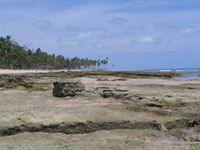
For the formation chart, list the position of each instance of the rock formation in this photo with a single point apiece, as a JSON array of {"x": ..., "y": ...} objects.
[
  {"x": 114, "y": 93},
  {"x": 67, "y": 88},
  {"x": 13, "y": 82}
]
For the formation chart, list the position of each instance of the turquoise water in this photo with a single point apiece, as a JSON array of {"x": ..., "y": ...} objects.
[
  {"x": 189, "y": 73},
  {"x": 176, "y": 70}
]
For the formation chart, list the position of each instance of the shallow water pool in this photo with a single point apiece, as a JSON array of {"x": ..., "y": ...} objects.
[{"x": 188, "y": 76}]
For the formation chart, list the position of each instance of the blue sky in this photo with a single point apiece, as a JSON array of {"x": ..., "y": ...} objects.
[{"x": 134, "y": 34}]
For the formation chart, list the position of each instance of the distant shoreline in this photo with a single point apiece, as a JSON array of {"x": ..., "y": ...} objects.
[
  {"x": 19, "y": 71},
  {"x": 81, "y": 73},
  {"x": 24, "y": 71}
]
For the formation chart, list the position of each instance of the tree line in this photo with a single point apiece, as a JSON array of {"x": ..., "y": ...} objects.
[{"x": 15, "y": 56}]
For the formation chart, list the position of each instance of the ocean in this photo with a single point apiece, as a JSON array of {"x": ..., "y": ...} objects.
[
  {"x": 189, "y": 73},
  {"x": 189, "y": 70}
]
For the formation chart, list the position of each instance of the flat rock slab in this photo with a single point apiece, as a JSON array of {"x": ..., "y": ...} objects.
[{"x": 100, "y": 140}]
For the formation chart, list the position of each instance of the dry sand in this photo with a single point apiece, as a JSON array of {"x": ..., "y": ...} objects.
[{"x": 21, "y": 71}]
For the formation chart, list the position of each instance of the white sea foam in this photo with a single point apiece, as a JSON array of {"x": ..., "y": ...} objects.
[{"x": 165, "y": 70}]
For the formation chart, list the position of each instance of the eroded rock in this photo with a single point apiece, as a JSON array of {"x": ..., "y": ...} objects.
[
  {"x": 68, "y": 88},
  {"x": 79, "y": 127},
  {"x": 114, "y": 93},
  {"x": 13, "y": 82},
  {"x": 182, "y": 123}
]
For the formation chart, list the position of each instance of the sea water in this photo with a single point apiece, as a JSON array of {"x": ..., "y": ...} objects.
[
  {"x": 189, "y": 73},
  {"x": 192, "y": 70},
  {"x": 189, "y": 76}
]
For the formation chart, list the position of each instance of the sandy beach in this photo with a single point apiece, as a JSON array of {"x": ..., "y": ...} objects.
[
  {"x": 100, "y": 75},
  {"x": 21, "y": 71}
]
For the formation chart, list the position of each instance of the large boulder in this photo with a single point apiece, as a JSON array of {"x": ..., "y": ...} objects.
[{"x": 68, "y": 88}]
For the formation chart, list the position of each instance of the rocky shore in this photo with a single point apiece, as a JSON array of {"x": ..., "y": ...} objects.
[{"x": 98, "y": 110}]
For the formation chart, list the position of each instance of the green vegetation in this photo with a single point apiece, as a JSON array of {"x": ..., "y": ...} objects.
[{"x": 15, "y": 56}]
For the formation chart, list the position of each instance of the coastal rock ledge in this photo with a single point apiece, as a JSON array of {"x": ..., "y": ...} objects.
[{"x": 67, "y": 88}]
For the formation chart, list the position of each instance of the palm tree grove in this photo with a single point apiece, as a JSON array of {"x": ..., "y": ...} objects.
[{"x": 15, "y": 56}]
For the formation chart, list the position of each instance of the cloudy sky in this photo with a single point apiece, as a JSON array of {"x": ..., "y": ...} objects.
[{"x": 134, "y": 34}]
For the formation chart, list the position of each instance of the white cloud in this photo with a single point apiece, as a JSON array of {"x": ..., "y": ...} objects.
[
  {"x": 43, "y": 24},
  {"x": 150, "y": 40},
  {"x": 188, "y": 30},
  {"x": 86, "y": 35},
  {"x": 118, "y": 20},
  {"x": 147, "y": 39}
]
